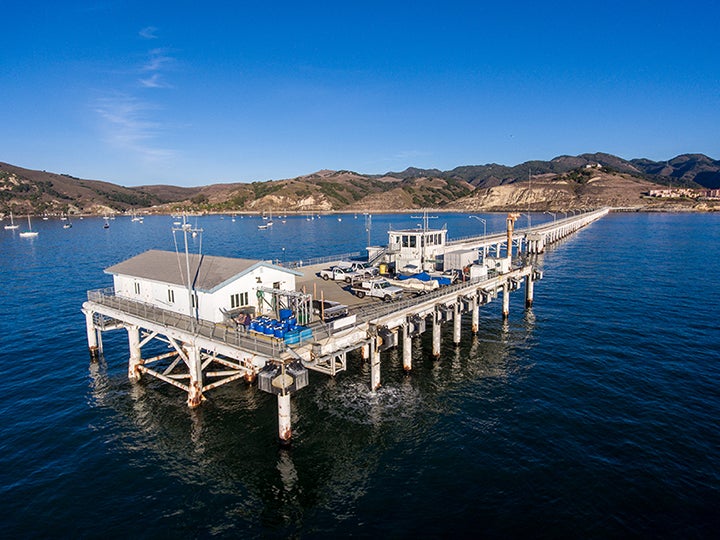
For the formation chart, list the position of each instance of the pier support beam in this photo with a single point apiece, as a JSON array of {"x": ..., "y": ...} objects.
[
  {"x": 475, "y": 314},
  {"x": 284, "y": 420},
  {"x": 92, "y": 336},
  {"x": 529, "y": 286},
  {"x": 436, "y": 335},
  {"x": 374, "y": 366},
  {"x": 135, "y": 353},
  {"x": 195, "y": 396},
  {"x": 506, "y": 300},
  {"x": 457, "y": 330},
  {"x": 407, "y": 347}
]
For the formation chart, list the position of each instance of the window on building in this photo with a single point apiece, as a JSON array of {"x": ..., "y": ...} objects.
[
  {"x": 171, "y": 296},
  {"x": 137, "y": 288},
  {"x": 194, "y": 300},
  {"x": 238, "y": 299},
  {"x": 413, "y": 240}
]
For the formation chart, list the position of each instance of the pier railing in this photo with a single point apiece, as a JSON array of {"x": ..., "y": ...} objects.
[
  {"x": 322, "y": 260},
  {"x": 375, "y": 311},
  {"x": 248, "y": 341}
]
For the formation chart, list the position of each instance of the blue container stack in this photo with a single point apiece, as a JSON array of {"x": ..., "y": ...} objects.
[{"x": 286, "y": 328}]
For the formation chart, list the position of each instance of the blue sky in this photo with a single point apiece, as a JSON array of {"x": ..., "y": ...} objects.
[{"x": 192, "y": 93}]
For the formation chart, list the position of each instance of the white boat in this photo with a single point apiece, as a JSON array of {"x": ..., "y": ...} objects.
[
  {"x": 12, "y": 225},
  {"x": 268, "y": 224},
  {"x": 29, "y": 233}
]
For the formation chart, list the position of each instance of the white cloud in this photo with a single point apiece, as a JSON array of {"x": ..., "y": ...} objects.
[
  {"x": 149, "y": 32},
  {"x": 154, "y": 81},
  {"x": 128, "y": 126},
  {"x": 157, "y": 59}
]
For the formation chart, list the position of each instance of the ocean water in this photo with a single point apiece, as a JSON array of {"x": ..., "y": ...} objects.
[{"x": 595, "y": 414}]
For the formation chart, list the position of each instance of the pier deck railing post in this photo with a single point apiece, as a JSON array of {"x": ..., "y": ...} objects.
[
  {"x": 529, "y": 286},
  {"x": 506, "y": 300},
  {"x": 195, "y": 396},
  {"x": 436, "y": 335},
  {"x": 135, "y": 352},
  {"x": 92, "y": 335},
  {"x": 457, "y": 329},
  {"x": 475, "y": 314},
  {"x": 374, "y": 365},
  {"x": 407, "y": 347},
  {"x": 284, "y": 419}
]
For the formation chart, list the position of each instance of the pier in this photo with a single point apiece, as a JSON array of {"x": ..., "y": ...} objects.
[{"x": 181, "y": 321}]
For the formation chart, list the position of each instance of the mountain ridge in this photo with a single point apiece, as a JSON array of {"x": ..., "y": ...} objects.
[{"x": 562, "y": 182}]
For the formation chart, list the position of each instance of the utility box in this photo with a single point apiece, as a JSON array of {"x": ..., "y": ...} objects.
[
  {"x": 500, "y": 265},
  {"x": 478, "y": 271},
  {"x": 459, "y": 259}
]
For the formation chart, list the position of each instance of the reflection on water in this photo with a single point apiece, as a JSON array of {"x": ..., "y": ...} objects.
[{"x": 341, "y": 428}]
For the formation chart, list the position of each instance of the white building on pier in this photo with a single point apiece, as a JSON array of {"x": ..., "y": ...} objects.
[{"x": 219, "y": 284}]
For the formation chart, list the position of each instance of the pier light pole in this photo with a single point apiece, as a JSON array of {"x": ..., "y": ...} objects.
[
  {"x": 484, "y": 234},
  {"x": 368, "y": 227},
  {"x": 553, "y": 214}
]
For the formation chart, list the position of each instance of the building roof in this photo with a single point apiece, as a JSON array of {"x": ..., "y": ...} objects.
[{"x": 207, "y": 272}]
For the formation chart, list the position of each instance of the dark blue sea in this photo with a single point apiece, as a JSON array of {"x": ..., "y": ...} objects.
[{"x": 594, "y": 415}]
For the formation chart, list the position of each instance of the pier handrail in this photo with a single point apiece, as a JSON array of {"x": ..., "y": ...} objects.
[
  {"x": 320, "y": 260},
  {"x": 371, "y": 312},
  {"x": 251, "y": 342},
  {"x": 500, "y": 236}
]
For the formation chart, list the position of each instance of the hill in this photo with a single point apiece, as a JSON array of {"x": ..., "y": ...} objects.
[
  {"x": 561, "y": 183},
  {"x": 26, "y": 190}
]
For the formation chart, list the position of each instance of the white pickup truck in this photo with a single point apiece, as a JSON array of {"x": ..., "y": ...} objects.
[
  {"x": 363, "y": 269},
  {"x": 337, "y": 273},
  {"x": 379, "y": 288}
]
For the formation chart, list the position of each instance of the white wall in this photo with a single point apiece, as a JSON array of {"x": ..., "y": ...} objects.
[{"x": 209, "y": 305}]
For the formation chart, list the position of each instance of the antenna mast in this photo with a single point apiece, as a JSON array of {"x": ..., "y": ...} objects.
[{"x": 186, "y": 229}]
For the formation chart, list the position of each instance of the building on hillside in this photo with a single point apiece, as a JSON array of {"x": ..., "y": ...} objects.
[{"x": 218, "y": 285}]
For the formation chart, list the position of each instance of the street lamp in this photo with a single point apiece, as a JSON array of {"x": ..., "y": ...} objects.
[
  {"x": 484, "y": 233},
  {"x": 553, "y": 214}
]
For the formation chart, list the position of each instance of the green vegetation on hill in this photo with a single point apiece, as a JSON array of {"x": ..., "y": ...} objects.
[{"x": 24, "y": 190}]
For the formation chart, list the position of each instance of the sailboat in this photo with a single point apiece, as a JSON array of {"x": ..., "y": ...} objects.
[
  {"x": 29, "y": 233},
  {"x": 68, "y": 224},
  {"x": 12, "y": 225},
  {"x": 268, "y": 224}
]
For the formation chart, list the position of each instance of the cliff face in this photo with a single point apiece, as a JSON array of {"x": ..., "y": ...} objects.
[{"x": 584, "y": 188}]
